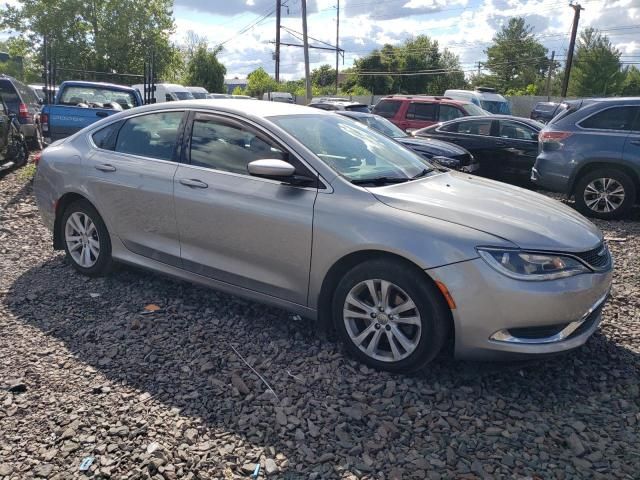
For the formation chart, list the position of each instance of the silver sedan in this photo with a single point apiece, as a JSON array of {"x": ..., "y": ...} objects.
[{"x": 318, "y": 214}]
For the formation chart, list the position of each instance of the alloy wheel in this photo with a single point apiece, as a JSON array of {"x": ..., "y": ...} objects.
[
  {"x": 604, "y": 195},
  {"x": 82, "y": 239},
  {"x": 382, "y": 320}
]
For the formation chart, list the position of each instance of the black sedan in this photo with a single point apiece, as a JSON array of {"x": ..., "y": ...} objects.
[
  {"x": 443, "y": 153},
  {"x": 505, "y": 146}
]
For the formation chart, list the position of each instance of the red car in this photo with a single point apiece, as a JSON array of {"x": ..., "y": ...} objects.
[{"x": 412, "y": 112}]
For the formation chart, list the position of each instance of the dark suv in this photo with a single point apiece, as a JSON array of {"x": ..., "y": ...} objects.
[
  {"x": 24, "y": 103},
  {"x": 413, "y": 112},
  {"x": 13, "y": 149},
  {"x": 591, "y": 151}
]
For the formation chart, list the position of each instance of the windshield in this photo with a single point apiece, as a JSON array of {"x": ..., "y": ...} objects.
[
  {"x": 199, "y": 95},
  {"x": 350, "y": 148},
  {"x": 385, "y": 126},
  {"x": 474, "y": 110},
  {"x": 183, "y": 95},
  {"x": 496, "y": 107},
  {"x": 97, "y": 96}
]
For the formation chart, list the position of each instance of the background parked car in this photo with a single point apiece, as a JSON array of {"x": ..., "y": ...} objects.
[
  {"x": 339, "y": 104},
  {"x": 22, "y": 101},
  {"x": 444, "y": 153},
  {"x": 505, "y": 146},
  {"x": 486, "y": 98},
  {"x": 591, "y": 151},
  {"x": 198, "y": 92},
  {"x": 167, "y": 92},
  {"x": 13, "y": 147},
  {"x": 543, "y": 112},
  {"x": 284, "y": 97},
  {"x": 414, "y": 112}
]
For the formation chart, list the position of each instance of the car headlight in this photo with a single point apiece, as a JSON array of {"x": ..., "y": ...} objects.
[{"x": 531, "y": 266}]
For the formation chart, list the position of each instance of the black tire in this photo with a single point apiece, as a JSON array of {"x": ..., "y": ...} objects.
[
  {"x": 18, "y": 151},
  {"x": 618, "y": 176},
  {"x": 103, "y": 262},
  {"x": 435, "y": 316}
]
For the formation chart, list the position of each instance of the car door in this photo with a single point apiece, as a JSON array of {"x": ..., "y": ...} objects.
[
  {"x": 475, "y": 136},
  {"x": 516, "y": 149},
  {"x": 631, "y": 153},
  {"x": 130, "y": 176},
  {"x": 250, "y": 232},
  {"x": 420, "y": 115}
]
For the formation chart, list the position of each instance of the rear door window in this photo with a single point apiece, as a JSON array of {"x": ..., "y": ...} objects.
[
  {"x": 105, "y": 138},
  {"x": 153, "y": 135},
  {"x": 10, "y": 95},
  {"x": 387, "y": 108},
  {"x": 614, "y": 118},
  {"x": 475, "y": 127},
  {"x": 423, "y": 111},
  {"x": 516, "y": 131},
  {"x": 448, "y": 112}
]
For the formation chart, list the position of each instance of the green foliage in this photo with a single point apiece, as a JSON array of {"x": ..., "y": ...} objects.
[
  {"x": 239, "y": 91},
  {"x": 356, "y": 90},
  {"x": 530, "y": 89},
  {"x": 324, "y": 76},
  {"x": 204, "y": 69},
  {"x": 631, "y": 85},
  {"x": 27, "y": 69},
  {"x": 27, "y": 172},
  {"x": 596, "y": 66},
  {"x": 259, "y": 82},
  {"x": 516, "y": 59},
  {"x": 100, "y": 35},
  {"x": 418, "y": 54}
]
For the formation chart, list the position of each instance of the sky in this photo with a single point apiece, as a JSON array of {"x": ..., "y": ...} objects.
[{"x": 245, "y": 28}]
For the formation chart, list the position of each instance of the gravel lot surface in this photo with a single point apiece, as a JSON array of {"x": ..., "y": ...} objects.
[{"x": 86, "y": 371}]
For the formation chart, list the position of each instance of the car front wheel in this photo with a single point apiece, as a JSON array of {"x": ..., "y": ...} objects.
[
  {"x": 86, "y": 239},
  {"x": 605, "y": 194},
  {"x": 390, "y": 316}
]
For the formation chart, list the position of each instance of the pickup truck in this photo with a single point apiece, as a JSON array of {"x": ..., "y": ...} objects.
[{"x": 79, "y": 104}]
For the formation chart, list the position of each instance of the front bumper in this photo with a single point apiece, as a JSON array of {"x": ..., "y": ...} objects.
[{"x": 497, "y": 317}]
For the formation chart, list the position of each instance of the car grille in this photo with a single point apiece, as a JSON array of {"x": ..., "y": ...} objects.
[{"x": 598, "y": 258}]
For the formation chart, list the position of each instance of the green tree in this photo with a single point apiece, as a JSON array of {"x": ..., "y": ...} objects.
[
  {"x": 23, "y": 64},
  {"x": 99, "y": 35},
  {"x": 204, "y": 69},
  {"x": 516, "y": 59},
  {"x": 596, "y": 66},
  {"x": 631, "y": 85},
  {"x": 325, "y": 76},
  {"x": 259, "y": 82},
  {"x": 238, "y": 91}
]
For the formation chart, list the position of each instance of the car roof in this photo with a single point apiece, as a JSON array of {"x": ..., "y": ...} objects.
[
  {"x": 344, "y": 103},
  {"x": 528, "y": 121},
  {"x": 355, "y": 114},
  {"x": 426, "y": 99},
  {"x": 242, "y": 106}
]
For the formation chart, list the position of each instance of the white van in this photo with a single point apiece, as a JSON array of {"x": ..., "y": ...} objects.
[
  {"x": 198, "y": 93},
  {"x": 167, "y": 92},
  {"x": 484, "y": 97},
  {"x": 284, "y": 97}
]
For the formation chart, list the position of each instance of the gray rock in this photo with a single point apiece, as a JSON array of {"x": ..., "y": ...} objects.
[
  {"x": 270, "y": 466},
  {"x": 575, "y": 444}
]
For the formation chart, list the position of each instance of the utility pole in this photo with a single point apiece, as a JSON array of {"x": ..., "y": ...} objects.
[
  {"x": 337, "y": 41},
  {"x": 548, "y": 87},
  {"x": 574, "y": 30},
  {"x": 305, "y": 41},
  {"x": 278, "y": 6},
  {"x": 479, "y": 65}
]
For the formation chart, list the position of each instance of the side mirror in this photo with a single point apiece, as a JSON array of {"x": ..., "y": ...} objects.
[
  {"x": 271, "y": 168},
  {"x": 447, "y": 162},
  {"x": 276, "y": 169}
]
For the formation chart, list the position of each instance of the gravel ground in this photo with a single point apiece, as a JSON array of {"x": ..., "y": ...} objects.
[{"x": 85, "y": 371}]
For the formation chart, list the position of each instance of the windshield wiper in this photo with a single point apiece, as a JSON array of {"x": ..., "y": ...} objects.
[
  {"x": 379, "y": 180},
  {"x": 423, "y": 173}
]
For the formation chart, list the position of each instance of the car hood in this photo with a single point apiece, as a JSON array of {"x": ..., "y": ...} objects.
[
  {"x": 525, "y": 218},
  {"x": 434, "y": 147}
]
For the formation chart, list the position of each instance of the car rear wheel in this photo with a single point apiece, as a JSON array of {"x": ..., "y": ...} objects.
[
  {"x": 605, "y": 194},
  {"x": 86, "y": 239},
  {"x": 389, "y": 316}
]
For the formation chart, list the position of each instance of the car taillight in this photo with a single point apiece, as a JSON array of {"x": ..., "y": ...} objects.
[
  {"x": 553, "y": 136},
  {"x": 23, "y": 111},
  {"x": 37, "y": 157},
  {"x": 44, "y": 122}
]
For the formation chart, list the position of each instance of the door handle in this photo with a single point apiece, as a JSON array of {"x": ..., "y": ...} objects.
[
  {"x": 193, "y": 183},
  {"x": 105, "y": 167},
  {"x": 102, "y": 114}
]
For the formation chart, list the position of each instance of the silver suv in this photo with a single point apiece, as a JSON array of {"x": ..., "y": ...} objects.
[
  {"x": 316, "y": 213},
  {"x": 591, "y": 151}
]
